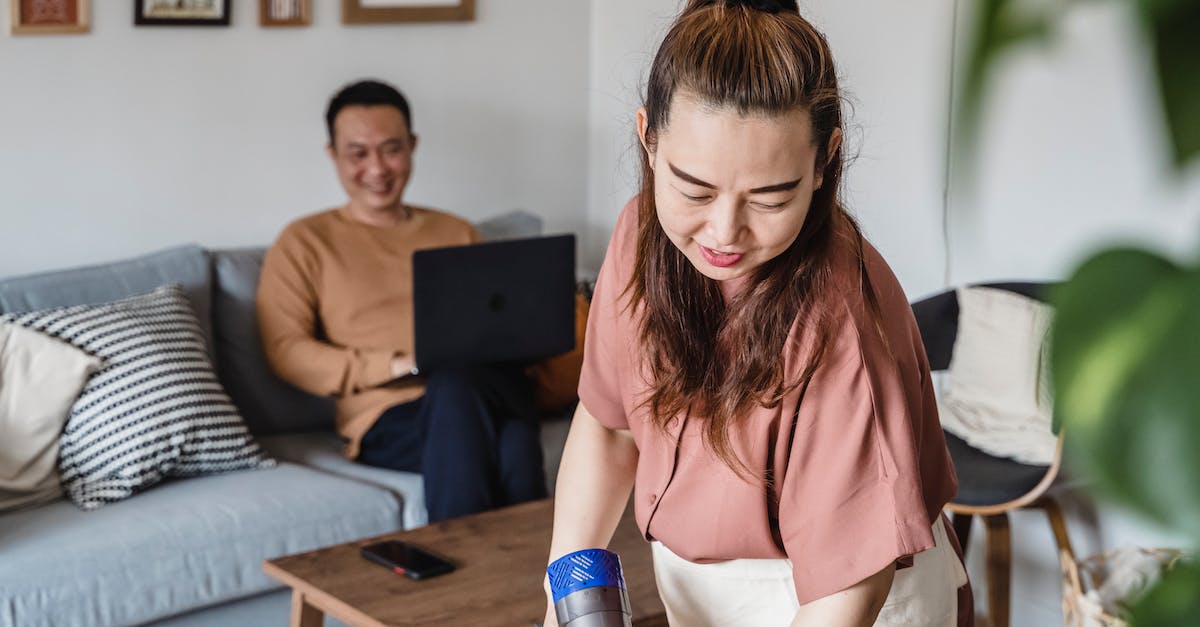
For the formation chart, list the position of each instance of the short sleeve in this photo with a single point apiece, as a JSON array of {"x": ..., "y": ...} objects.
[
  {"x": 856, "y": 494},
  {"x": 606, "y": 342}
]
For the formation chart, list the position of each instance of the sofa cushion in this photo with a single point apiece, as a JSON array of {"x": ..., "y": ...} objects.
[
  {"x": 40, "y": 378},
  {"x": 324, "y": 451},
  {"x": 155, "y": 408},
  {"x": 268, "y": 404},
  {"x": 185, "y": 265},
  {"x": 185, "y": 545},
  {"x": 510, "y": 225}
]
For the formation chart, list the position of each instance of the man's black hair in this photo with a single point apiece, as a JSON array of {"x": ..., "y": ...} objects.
[{"x": 366, "y": 93}]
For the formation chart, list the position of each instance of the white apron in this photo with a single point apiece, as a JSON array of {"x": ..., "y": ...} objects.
[{"x": 760, "y": 592}]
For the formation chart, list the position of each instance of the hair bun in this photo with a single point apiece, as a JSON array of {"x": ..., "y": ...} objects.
[
  {"x": 766, "y": 6},
  {"x": 769, "y": 6}
]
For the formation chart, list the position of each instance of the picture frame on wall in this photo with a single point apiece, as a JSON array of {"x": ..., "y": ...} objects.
[
  {"x": 399, "y": 11},
  {"x": 49, "y": 17},
  {"x": 181, "y": 12},
  {"x": 284, "y": 12}
]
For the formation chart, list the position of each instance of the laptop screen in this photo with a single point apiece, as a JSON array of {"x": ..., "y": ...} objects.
[{"x": 504, "y": 301}]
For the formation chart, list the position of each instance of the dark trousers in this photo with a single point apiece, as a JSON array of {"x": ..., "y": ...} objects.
[{"x": 474, "y": 436}]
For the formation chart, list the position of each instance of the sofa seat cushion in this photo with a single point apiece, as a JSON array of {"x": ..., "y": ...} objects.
[
  {"x": 186, "y": 544},
  {"x": 323, "y": 450}
]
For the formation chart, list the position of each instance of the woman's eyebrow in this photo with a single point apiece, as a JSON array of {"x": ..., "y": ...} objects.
[
  {"x": 778, "y": 187},
  {"x": 688, "y": 177}
]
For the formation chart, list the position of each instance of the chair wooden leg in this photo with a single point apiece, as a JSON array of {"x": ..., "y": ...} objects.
[
  {"x": 962, "y": 529},
  {"x": 1057, "y": 523},
  {"x": 999, "y": 567},
  {"x": 1066, "y": 554}
]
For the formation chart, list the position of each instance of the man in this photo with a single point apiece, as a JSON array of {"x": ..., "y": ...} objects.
[{"x": 335, "y": 311}]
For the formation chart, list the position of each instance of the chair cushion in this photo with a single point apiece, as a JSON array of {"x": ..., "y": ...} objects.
[
  {"x": 268, "y": 404},
  {"x": 997, "y": 396},
  {"x": 185, "y": 265},
  {"x": 185, "y": 545},
  {"x": 324, "y": 451},
  {"x": 987, "y": 480}
]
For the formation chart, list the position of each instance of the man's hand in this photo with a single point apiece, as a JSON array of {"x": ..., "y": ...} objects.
[{"x": 403, "y": 365}]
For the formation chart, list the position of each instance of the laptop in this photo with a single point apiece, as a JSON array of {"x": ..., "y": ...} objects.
[{"x": 503, "y": 301}]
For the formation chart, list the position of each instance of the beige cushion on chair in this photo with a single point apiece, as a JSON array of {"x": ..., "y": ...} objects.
[
  {"x": 40, "y": 378},
  {"x": 997, "y": 395}
]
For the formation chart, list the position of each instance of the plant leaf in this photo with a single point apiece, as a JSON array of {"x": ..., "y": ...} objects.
[
  {"x": 996, "y": 26},
  {"x": 1125, "y": 355},
  {"x": 1174, "y": 601},
  {"x": 1174, "y": 28}
]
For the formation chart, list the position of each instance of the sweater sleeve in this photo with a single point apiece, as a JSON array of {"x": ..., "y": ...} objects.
[{"x": 288, "y": 319}]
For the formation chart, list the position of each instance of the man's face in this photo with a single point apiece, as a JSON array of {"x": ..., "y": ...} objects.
[{"x": 372, "y": 151}]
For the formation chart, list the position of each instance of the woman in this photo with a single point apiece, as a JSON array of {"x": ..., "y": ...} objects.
[{"x": 752, "y": 367}]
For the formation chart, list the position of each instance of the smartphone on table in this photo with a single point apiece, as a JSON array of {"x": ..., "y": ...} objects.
[{"x": 407, "y": 559}]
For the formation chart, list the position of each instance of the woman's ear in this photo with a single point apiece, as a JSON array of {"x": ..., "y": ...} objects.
[
  {"x": 643, "y": 124},
  {"x": 835, "y": 144}
]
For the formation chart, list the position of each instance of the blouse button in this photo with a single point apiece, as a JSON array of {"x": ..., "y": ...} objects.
[{"x": 653, "y": 498}]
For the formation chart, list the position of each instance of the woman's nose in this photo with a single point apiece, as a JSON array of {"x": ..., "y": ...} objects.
[{"x": 725, "y": 222}]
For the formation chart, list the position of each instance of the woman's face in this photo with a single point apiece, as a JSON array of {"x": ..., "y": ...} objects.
[{"x": 732, "y": 192}]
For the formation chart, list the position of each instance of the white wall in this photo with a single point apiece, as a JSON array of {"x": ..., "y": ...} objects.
[
  {"x": 894, "y": 62},
  {"x": 1072, "y": 157},
  {"x": 624, "y": 35},
  {"x": 130, "y": 139}
]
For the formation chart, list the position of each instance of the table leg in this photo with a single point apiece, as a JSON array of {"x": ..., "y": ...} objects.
[{"x": 303, "y": 614}]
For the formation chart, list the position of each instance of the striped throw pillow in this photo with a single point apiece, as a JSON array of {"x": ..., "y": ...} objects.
[{"x": 154, "y": 409}]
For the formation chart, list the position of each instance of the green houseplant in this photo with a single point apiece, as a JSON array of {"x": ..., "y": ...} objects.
[{"x": 1126, "y": 342}]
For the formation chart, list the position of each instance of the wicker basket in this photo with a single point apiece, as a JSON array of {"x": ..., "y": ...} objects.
[{"x": 1080, "y": 576}]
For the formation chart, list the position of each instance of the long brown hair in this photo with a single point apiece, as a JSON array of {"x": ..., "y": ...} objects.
[{"x": 708, "y": 359}]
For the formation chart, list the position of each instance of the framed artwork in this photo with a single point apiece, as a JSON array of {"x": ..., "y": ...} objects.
[
  {"x": 44, "y": 17},
  {"x": 394, "y": 11},
  {"x": 181, "y": 12},
  {"x": 284, "y": 12}
]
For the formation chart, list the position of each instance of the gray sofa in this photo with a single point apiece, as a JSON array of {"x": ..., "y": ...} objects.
[{"x": 189, "y": 552}]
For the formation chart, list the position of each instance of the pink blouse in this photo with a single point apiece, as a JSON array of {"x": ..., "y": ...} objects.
[{"x": 859, "y": 457}]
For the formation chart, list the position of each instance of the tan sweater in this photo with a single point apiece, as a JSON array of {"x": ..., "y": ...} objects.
[{"x": 335, "y": 305}]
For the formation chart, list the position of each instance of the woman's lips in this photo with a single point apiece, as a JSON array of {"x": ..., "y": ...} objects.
[{"x": 719, "y": 259}]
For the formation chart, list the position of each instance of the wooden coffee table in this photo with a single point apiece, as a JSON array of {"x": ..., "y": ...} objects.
[{"x": 501, "y": 558}]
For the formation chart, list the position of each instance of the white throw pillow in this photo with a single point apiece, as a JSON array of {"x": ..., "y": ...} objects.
[
  {"x": 997, "y": 386},
  {"x": 40, "y": 378}
]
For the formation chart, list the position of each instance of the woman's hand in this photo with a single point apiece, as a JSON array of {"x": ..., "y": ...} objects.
[
  {"x": 551, "y": 619},
  {"x": 594, "y": 482},
  {"x": 856, "y": 606}
]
